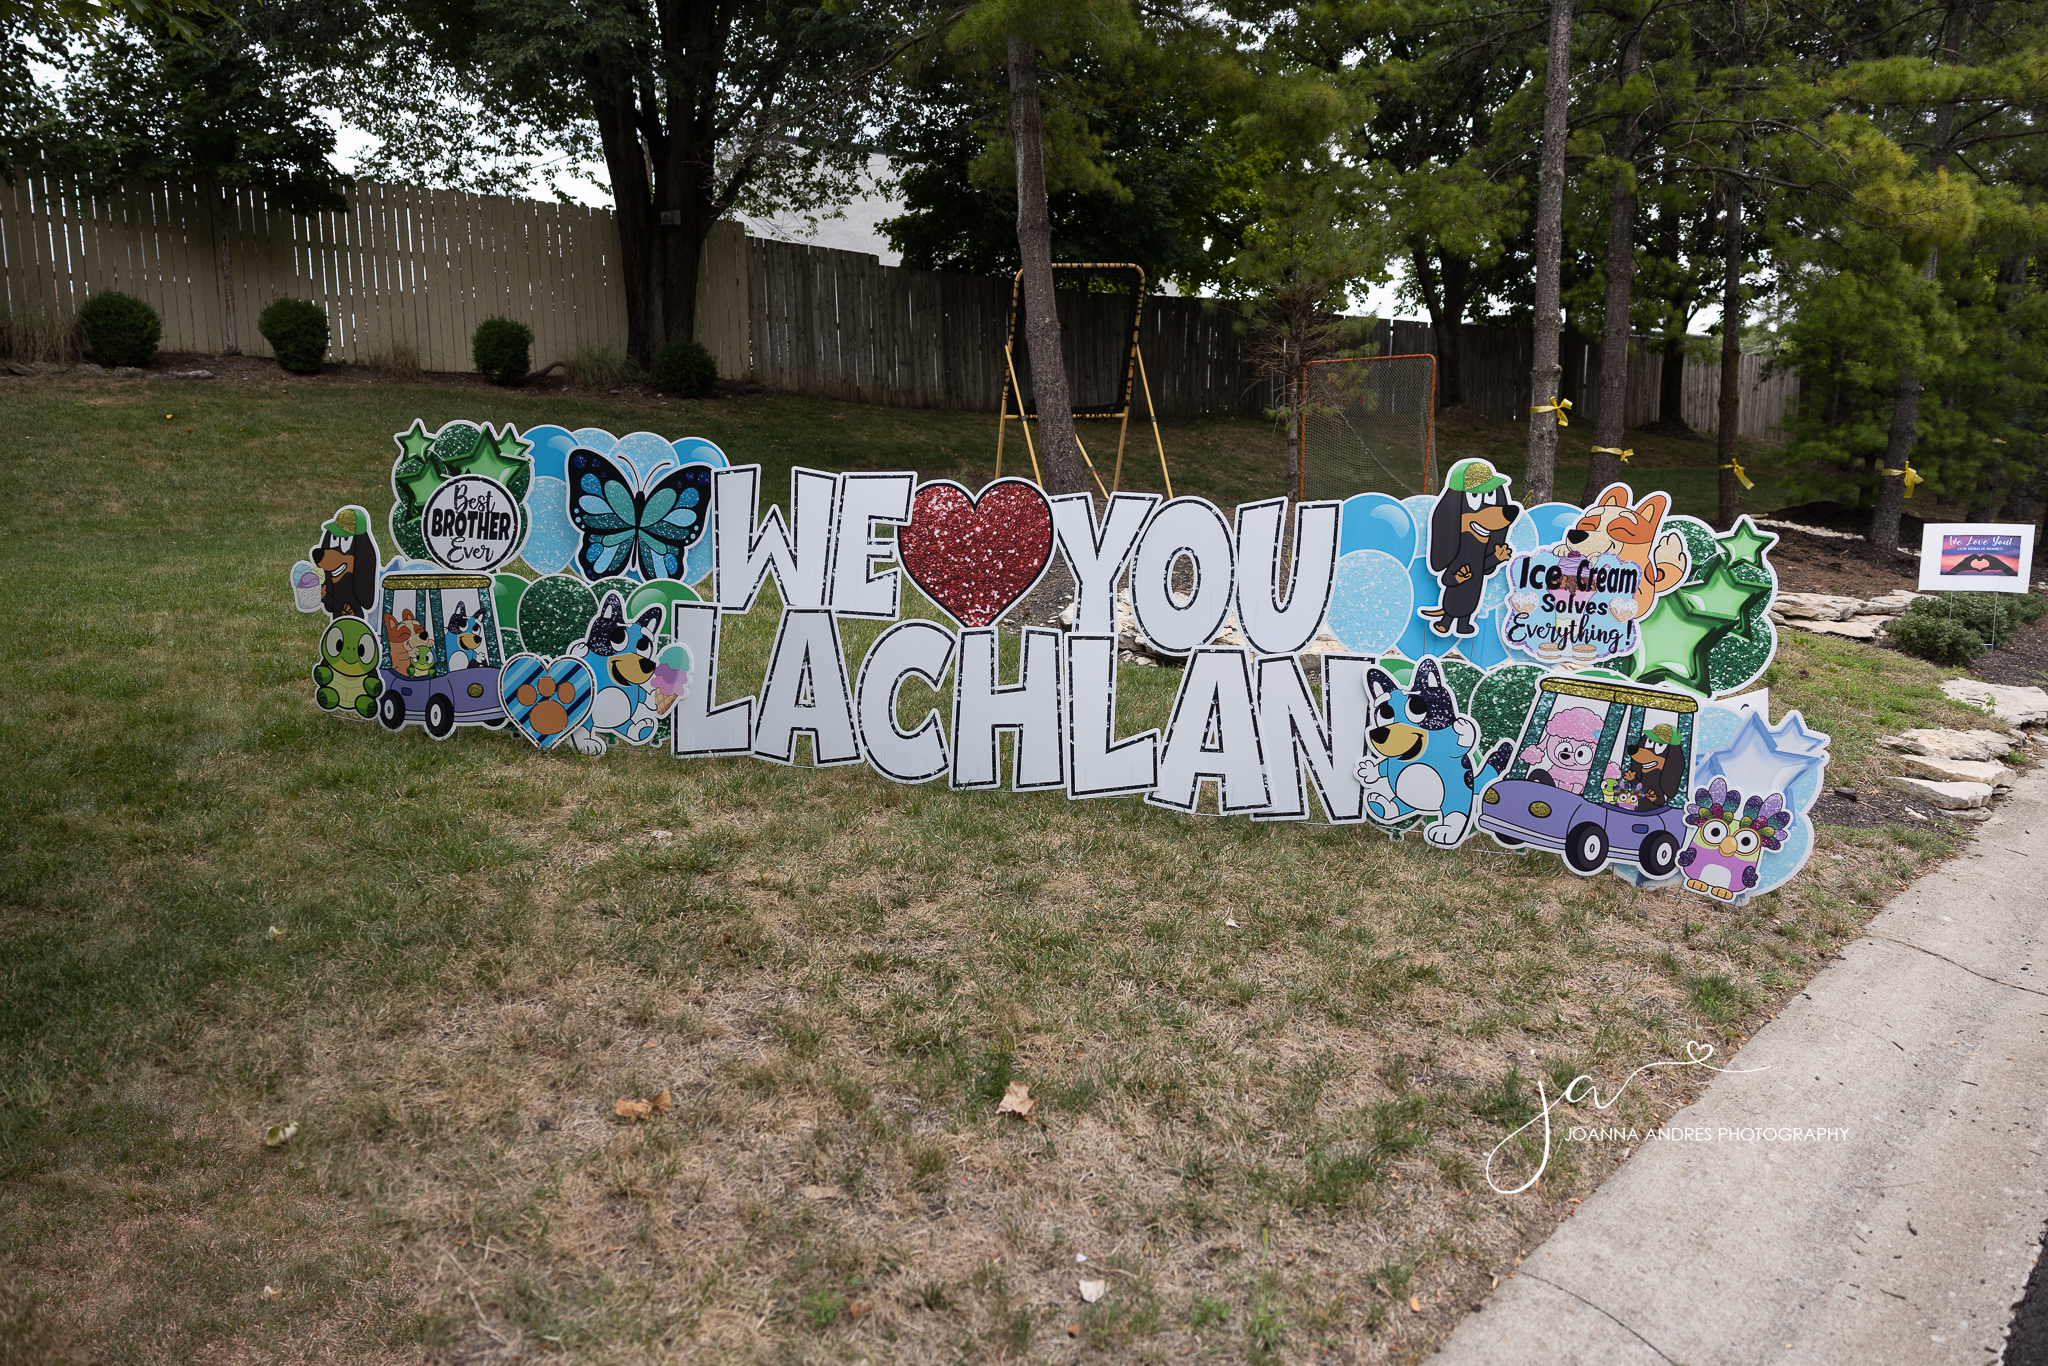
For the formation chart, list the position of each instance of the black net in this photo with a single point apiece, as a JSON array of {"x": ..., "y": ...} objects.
[
  {"x": 1099, "y": 307},
  {"x": 1368, "y": 426}
]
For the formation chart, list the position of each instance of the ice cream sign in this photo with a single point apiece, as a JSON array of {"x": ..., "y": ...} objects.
[
  {"x": 470, "y": 522},
  {"x": 1576, "y": 608}
]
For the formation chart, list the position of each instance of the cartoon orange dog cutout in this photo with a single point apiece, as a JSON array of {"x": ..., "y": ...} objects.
[
  {"x": 1617, "y": 525},
  {"x": 409, "y": 650}
]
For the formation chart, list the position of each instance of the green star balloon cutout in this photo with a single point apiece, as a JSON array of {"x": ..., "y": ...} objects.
[
  {"x": 1712, "y": 630},
  {"x": 1746, "y": 544},
  {"x": 425, "y": 462},
  {"x": 415, "y": 442}
]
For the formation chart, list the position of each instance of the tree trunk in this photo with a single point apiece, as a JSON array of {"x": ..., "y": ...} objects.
[
  {"x": 1445, "y": 290},
  {"x": 1540, "y": 476},
  {"x": 1898, "y": 449},
  {"x": 1730, "y": 415},
  {"x": 224, "y": 218},
  {"x": 1611, "y": 424},
  {"x": 611, "y": 99},
  {"x": 1671, "y": 386},
  {"x": 1728, "y": 439},
  {"x": 1058, "y": 452}
]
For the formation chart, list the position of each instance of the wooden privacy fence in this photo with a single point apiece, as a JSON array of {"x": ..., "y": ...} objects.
[
  {"x": 842, "y": 324},
  {"x": 400, "y": 265},
  {"x": 403, "y": 265},
  {"x": 1495, "y": 383}
]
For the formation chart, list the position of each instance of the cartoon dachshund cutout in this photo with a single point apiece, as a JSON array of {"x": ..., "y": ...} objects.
[
  {"x": 1467, "y": 541},
  {"x": 1656, "y": 768},
  {"x": 347, "y": 561},
  {"x": 1418, "y": 758}
]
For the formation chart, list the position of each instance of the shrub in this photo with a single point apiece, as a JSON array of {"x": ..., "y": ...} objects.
[
  {"x": 685, "y": 369},
  {"x": 297, "y": 331},
  {"x": 1934, "y": 638},
  {"x": 502, "y": 349},
  {"x": 120, "y": 329},
  {"x": 1953, "y": 628}
]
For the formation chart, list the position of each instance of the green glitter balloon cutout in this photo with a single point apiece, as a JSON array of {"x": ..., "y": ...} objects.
[
  {"x": 554, "y": 613},
  {"x": 1713, "y": 633}
]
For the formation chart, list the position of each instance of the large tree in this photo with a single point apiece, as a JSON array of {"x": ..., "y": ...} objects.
[{"x": 697, "y": 107}]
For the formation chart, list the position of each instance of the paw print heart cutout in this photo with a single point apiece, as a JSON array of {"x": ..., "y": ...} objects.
[
  {"x": 976, "y": 555},
  {"x": 547, "y": 699}
]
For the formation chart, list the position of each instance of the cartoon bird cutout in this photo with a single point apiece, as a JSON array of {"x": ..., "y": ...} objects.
[{"x": 1729, "y": 838}]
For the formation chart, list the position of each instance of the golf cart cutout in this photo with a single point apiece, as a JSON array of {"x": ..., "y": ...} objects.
[
  {"x": 1600, "y": 776},
  {"x": 441, "y": 653}
]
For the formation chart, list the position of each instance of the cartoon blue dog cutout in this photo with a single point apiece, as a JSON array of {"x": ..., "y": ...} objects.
[
  {"x": 1418, "y": 758},
  {"x": 622, "y": 654}
]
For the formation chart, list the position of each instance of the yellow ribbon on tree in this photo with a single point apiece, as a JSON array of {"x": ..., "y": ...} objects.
[
  {"x": 1910, "y": 476},
  {"x": 1736, "y": 465},
  {"x": 1615, "y": 450},
  {"x": 1558, "y": 408}
]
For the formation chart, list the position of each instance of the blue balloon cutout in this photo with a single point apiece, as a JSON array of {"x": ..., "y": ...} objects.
[
  {"x": 1374, "y": 521},
  {"x": 551, "y": 538},
  {"x": 551, "y": 447},
  {"x": 1370, "y": 601}
]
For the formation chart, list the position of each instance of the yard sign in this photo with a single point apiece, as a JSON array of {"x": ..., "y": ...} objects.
[{"x": 1551, "y": 676}]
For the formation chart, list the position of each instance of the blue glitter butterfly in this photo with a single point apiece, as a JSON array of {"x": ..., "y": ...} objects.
[{"x": 623, "y": 523}]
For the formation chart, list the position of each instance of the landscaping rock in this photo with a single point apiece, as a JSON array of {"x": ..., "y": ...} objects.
[
  {"x": 1955, "y": 744},
  {"x": 1956, "y": 770},
  {"x": 1947, "y": 796},
  {"x": 1890, "y": 605},
  {"x": 1815, "y": 606},
  {"x": 129, "y": 372},
  {"x": 88, "y": 368},
  {"x": 15, "y": 367},
  {"x": 182, "y": 374},
  {"x": 46, "y": 367},
  {"x": 1976, "y": 814},
  {"x": 1859, "y": 628},
  {"x": 2015, "y": 706}
]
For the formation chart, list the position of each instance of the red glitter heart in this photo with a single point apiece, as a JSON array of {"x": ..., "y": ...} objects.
[{"x": 975, "y": 556}]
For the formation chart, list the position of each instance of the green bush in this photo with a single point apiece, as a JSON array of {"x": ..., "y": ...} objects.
[
  {"x": 502, "y": 349},
  {"x": 297, "y": 331},
  {"x": 685, "y": 369},
  {"x": 120, "y": 329},
  {"x": 1954, "y": 628}
]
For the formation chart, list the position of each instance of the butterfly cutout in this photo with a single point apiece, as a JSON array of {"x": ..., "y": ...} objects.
[{"x": 623, "y": 523}]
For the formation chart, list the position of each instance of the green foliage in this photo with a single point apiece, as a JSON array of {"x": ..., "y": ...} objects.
[
  {"x": 120, "y": 329},
  {"x": 685, "y": 369},
  {"x": 297, "y": 331},
  {"x": 226, "y": 95},
  {"x": 1956, "y": 627},
  {"x": 1935, "y": 638},
  {"x": 502, "y": 349},
  {"x": 1139, "y": 168}
]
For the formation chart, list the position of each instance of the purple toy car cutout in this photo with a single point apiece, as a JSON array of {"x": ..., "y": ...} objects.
[
  {"x": 441, "y": 652},
  {"x": 1616, "y": 798}
]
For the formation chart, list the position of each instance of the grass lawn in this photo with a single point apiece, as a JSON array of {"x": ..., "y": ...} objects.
[{"x": 444, "y": 962}]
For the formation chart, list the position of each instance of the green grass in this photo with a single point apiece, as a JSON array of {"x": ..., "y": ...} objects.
[{"x": 480, "y": 948}]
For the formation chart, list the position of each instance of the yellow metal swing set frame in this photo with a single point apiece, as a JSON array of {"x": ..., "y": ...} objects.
[{"x": 1133, "y": 377}]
